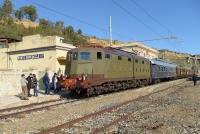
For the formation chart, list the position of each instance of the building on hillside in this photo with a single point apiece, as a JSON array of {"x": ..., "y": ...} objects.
[
  {"x": 139, "y": 49},
  {"x": 34, "y": 52}
]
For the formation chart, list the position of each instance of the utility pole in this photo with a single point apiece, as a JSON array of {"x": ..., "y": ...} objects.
[
  {"x": 110, "y": 32},
  {"x": 163, "y": 54}
]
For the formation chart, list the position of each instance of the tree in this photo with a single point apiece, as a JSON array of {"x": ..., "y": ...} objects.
[
  {"x": 19, "y": 14},
  {"x": 70, "y": 30},
  {"x": 30, "y": 12},
  {"x": 7, "y": 7},
  {"x": 80, "y": 32},
  {"x": 43, "y": 24},
  {"x": 59, "y": 25},
  {"x": 26, "y": 12}
]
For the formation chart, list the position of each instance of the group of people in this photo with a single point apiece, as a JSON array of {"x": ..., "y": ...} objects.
[
  {"x": 27, "y": 84},
  {"x": 31, "y": 83},
  {"x": 46, "y": 81}
]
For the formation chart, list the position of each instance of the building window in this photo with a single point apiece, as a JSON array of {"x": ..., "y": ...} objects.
[
  {"x": 84, "y": 55},
  {"x": 107, "y": 56},
  {"x": 75, "y": 55},
  {"x": 99, "y": 56},
  {"x": 119, "y": 57},
  {"x": 129, "y": 59}
]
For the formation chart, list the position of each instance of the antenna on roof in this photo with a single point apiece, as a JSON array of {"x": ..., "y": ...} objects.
[{"x": 110, "y": 32}]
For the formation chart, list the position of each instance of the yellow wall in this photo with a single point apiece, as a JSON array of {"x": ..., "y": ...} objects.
[
  {"x": 3, "y": 58},
  {"x": 47, "y": 62},
  {"x": 35, "y": 41},
  {"x": 32, "y": 42},
  {"x": 60, "y": 63}
]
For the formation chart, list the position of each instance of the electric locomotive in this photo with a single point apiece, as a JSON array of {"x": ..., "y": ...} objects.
[{"x": 94, "y": 70}]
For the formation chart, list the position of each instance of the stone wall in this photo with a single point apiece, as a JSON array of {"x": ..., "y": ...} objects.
[{"x": 10, "y": 80}]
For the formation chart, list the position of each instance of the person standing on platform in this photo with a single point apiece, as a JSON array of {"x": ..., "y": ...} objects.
[
  {"x": 24, "y": 82},
  {"x": 35, "y": 85},
  {"x": 29, "y": 79},
  {"x": 47, "y": 82},
  {"x": 55, "y": 82},
  {"x": 194, "y": 78}
]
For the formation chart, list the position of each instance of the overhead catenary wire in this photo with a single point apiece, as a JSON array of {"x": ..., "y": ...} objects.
[
  {"x": 154, "y": 19},
  {"x": 77, "y": 19},
  {"x": 143, "y": 23}
]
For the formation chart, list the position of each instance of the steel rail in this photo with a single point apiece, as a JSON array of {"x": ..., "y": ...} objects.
[
  {"x": 70, "y": 123},
  {"x": 29, "y": 105},
  {"x": 132, "y": 113},
  {"x": 33, "y": 110}
]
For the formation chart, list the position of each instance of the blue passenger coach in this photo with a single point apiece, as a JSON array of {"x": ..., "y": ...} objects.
[{"x": 161, "y": 71}]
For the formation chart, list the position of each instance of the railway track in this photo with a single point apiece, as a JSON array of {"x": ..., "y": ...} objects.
[
  {"x": 15, "y": 111},
  {"x": 97, "y": 122}
]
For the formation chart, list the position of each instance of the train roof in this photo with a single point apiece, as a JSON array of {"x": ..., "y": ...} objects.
[
  {"x": 110, "y": 50},
  {"x": 162, "y": 63}
]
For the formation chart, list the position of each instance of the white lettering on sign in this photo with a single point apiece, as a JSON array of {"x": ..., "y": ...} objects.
[{"x": 28, "y": 57}]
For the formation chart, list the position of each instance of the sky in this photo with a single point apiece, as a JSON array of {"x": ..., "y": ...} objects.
[{"x": 132, "y": 20}]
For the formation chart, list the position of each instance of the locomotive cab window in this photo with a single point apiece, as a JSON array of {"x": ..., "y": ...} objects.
[
  {"x": 99, "y": 56},
  {"x": 75, "y": 55},
  {"x": 119, "y": 57},
  {"x": 84, "y": 55},
  {"x": 107, "y": 56}
]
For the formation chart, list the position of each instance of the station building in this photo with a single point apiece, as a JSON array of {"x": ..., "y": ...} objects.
[
  {"x": 34, "y": 52},
  {"x": 139, "y": 49}
]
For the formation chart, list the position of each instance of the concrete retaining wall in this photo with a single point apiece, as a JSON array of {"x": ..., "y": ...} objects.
[{"x": 10, "y": 80}]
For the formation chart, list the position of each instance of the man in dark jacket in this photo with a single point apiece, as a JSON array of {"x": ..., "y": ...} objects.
[
  {"x": 194, "y": 78},
  {"x": 29, "y": 79},
  {"x": 47, "y": 82}
]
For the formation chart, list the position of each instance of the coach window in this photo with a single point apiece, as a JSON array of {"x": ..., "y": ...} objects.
[
  {"x": 142, "y": 62},
  {"x": 99, "y": 56},
  {"x": 129, "y": 59},
  {"x": 136, "y": 61},
  {"x": 119, "y": 57},
  {"x": 107, "y": 56},
  {"x": 84, "y": 55},
  {"x": 75, "y": 55}
]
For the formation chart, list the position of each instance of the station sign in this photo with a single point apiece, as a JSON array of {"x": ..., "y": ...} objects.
[{"x": 29, "y": 57}]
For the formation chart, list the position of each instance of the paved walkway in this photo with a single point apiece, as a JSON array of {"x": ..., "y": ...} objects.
[{"x": 12, "y": 101}]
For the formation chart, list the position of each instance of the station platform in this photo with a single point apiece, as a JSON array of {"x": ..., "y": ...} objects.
[{"x": 13, "y": 101}]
